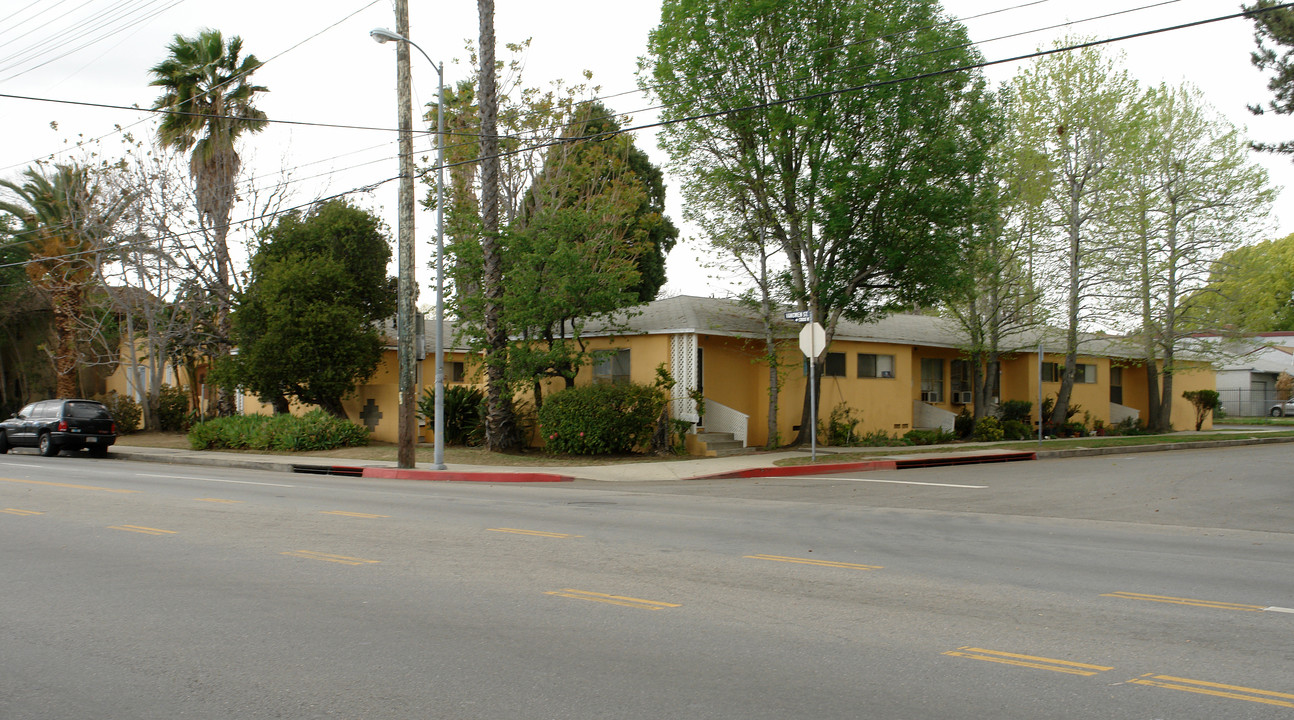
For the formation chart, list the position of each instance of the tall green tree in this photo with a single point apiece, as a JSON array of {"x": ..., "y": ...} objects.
[
  {"x": 1078, "y": 112},
  {"x": 65, "y": 230},
  {"x": 998, "y": 309},
  {"x": 1274, "y": 36},
  {"x": 1250, "y": 290},
  {"x": 590, "y": 240},
  {"x": 208, "y": 90},
  {"x": 845, "y": 127},
  {"x": 306, "y": 324},
  {"x": 1192, "y": 194}
]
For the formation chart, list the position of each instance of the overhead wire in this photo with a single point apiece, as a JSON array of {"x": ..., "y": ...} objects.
[{"x": 759, "y": 106}]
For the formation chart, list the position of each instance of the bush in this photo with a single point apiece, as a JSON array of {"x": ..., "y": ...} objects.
[
  {"x": 1016, "y": 430},
  {"x": 840, "y": 427},
  {"x": 464, "y": 414},
  {"x": 316, "y": 430},
  {"x": 988, "y": 429},
  {"x": 964, "y": 425},
  {"x": 929, "y": 437},
  {"x": 880, "y": 438},
  {"x": 600, "y": 419},
  {"x": 172, "y": 409},
  {"x": 125, "y": 411},
  {"x": 1014, "y": 410},
  {"x": 1204, "y": 401}
]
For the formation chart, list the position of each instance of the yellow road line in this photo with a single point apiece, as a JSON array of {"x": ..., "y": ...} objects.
[
  {"x": 1215, "y": 605},
  {"x": 16, "y": 511},
  {"x": 613, "y": 599},
  {"x": 218, "y": 500},
  {"x": 535, "y": 533},
  {"x": 810, "y": 561},
  {"x": 1234, "y": 692},
  {"x": 343, "y": 559},
  {"x": 1030, "y": 661},
  {"x": 352, "y": 514},
  {"x": 142, "y": 529},
  {"x": 68, "y": 485}
]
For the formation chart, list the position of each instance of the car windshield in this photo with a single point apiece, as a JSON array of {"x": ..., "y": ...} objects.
[{"x": 87, "y": 411}]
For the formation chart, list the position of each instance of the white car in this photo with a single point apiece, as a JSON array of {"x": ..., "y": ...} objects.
[{"x": 1282, "y": 409}]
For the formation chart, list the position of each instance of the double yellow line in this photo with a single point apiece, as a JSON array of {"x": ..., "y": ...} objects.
[
  {"x": 326, "y": 557},
  {"x": 1030, "y": 661},
  {"x": 1201, "y": 687},
  {"x": 1212, "y": 604},
  {"x": 811, "y": 561},
  {"x": 142, "y": 529},
  {"x": 612, "y": 599},
  {"x": 533, "y": 533}
]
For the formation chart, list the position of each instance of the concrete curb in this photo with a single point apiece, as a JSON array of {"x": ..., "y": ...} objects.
[
  {"x": 454, "y": 476},
  {"x": 1160, "y": 447},
  {"x": 791, "y": 470}
]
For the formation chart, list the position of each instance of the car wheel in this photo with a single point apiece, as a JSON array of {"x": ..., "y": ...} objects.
[
  {"x": 4, "y": 443},
  {"x": 47, "y": 446},
  {"x": 1277, "y": 412}
]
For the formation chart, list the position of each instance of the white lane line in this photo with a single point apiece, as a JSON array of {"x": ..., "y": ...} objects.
[
  {"x": 1279, "y": 610},
  {"x": 870, "y": 480},
  {"x": 190, "y": 477},
  {"x": 38, "y": 467}
]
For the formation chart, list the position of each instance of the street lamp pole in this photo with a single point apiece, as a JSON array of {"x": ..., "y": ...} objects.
[{"x": 383, "y": 35}]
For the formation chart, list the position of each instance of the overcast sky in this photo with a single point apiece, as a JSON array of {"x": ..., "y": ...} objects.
[{"x": 321, "y": 66}]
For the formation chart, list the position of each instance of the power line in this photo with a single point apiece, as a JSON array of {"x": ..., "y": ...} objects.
[{"x": 760, "y": 106}]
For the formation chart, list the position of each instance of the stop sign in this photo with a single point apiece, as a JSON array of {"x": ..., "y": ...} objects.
[{"x": 812, "y": 339}]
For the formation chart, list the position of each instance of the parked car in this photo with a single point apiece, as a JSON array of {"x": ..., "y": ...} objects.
[
  {"x": 55, "y": 425},
  {"x": 1282, "y": 409}
]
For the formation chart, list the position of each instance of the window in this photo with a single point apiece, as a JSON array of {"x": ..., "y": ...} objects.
[
  {"x": 875, "y": 366},
  {"x": 961, "y": 376},
  {"x": 1051, "y": 372},
  {"x": 1116, "y": 385},
  {"x": 834, "y": 366},
  {"x": 932, "y": 380},
  {"x": 457, "y": 372},
  {"x": 1083, "y": 373},
  {"x": 612, "y": 368}
]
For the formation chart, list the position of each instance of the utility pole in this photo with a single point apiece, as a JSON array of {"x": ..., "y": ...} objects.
[{"x": 405, "y": 316}]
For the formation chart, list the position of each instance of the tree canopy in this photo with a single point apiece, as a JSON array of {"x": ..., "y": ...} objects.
[
  {"x": 847, "y": 130},
  {"x": 305, "y": 326}
]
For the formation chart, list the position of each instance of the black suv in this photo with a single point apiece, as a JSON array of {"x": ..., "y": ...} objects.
[{"x": 54, "y": 425}]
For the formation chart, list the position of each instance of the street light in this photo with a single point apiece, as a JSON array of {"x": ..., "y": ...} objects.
[{"x": 383, "y": 35}]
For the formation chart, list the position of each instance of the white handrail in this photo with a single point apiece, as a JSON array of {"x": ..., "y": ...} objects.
[{"x": 721, "y": 418}]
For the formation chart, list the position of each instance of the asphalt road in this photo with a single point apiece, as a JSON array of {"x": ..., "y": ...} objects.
[{"x": 1135, "y": 587}]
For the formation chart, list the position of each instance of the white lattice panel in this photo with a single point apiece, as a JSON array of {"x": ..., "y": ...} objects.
[{"x": 683, "y": 366}]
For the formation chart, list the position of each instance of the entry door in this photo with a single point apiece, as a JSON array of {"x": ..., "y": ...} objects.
[{"x": 700, "y": 377}]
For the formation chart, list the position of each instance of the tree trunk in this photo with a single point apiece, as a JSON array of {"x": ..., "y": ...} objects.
[
  {"x": 281, "y": 405},
  {"x": 807, "y": 419},
  {"x": 499, "y": 433},
  {"x": 67, "y": 308}
]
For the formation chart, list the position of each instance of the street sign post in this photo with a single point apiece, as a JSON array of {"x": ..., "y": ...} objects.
[{"x": 812, "y": 339}]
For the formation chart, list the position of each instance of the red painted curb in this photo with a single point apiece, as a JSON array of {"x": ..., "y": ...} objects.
[
  {"x": 448, "y": 476},
  {"x": 801, "y": 470}
]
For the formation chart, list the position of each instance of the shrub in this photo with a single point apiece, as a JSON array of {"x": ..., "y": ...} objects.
[
  {"x": 964, "y": 425},
  {"x": 125, "y": 411},
  {"x": 172, "y": 409},
  {"x": 880, "y": 438},
  {"x": 1014, "y": 410},
  {"x": 1016, "y": 430},
  {"x": 464, "y": 414},
  {"x": 600, "y": 419},
  {"x": 316, "y": 430},
  {"x": 840, "y": 427},
  {"x": 929, "y": 437},
  {"x": 988, "y": 429},
  {"x": 1204, "y": 401}
]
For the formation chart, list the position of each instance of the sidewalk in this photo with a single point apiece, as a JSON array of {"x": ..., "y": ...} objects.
[{"x": 756, "y": 465}]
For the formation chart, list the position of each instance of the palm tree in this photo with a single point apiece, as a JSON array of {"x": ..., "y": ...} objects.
[
  {"x": 64, "y": 229},
  {"x": 499, "y": 421},
  {"x": 209, "y": 92}
]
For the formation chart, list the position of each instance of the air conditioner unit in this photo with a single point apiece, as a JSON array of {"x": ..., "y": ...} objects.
[
  {"x": 930, "y": 396},
  {"x": 963, "y": 397}
]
